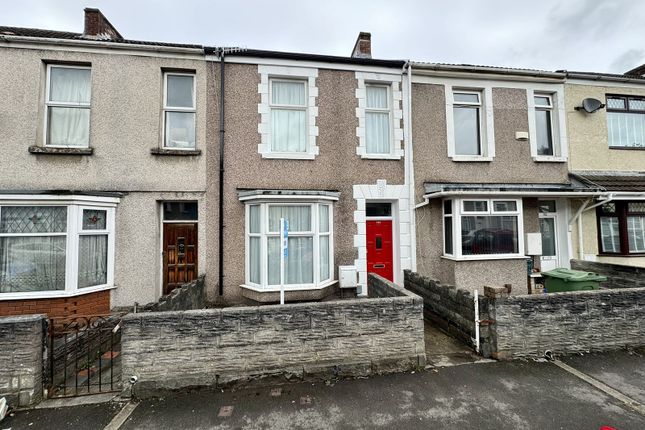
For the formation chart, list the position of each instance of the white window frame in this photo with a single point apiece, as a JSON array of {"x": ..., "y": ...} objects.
[
  {"x": 301, "y": 108},
  {"x": 287, "y": 73},
  {"x": 265, "y": 234},
  {"x": 458, "y": 212},
  {"x": 486, "y": 123},
  {"x": 558, "y": 132},
  {"x": 75, "y": 206},
  {"x": 50, "y": 104},
  {"x": 167, "y": 108},
  {"x": 395, "y": 100}
]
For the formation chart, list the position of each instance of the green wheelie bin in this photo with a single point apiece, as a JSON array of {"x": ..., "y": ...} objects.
[{"x": 562, "y": 280}]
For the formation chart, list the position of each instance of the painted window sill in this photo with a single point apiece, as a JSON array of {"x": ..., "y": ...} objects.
[
  {"x": 471, "y": 159},
  {"x": 54, "y": 294},
  {"x": 48, "y": 150},
  {"x": 485, "y": 257},
  {"x": 276, "y": 289},
  {"x": 381, "y": 157},
  {"x": 288, "y": 156},
  {"x": 550, "y": 159},
  {"x": 173, "y": 152}
]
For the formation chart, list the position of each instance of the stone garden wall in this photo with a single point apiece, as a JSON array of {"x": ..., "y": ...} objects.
[
  {"x": 618, "y": 276},
  {"x": 214, "y": 347},
  {"x": 21, "y": 359},
  {"x": 529, "y": 325}
]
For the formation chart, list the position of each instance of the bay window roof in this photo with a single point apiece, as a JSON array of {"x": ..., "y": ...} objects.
[{"x": 575, "y": 187}]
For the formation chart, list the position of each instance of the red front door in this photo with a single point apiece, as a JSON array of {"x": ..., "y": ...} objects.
[{"x": 379, "y": 248}]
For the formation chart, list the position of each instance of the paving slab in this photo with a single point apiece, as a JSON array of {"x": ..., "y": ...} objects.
[
  {"x": 85, "y": 417},
  {"x": 444, "y": 350},
  {"x": 622, "y": 370},
  {"x": 517, "y": 395}
]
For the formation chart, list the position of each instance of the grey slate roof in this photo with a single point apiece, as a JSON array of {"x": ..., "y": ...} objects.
[
  {"x": 574, "y": 186},
  {"x": 613, "y": 181},
  {"x": 52, "y": 34}
]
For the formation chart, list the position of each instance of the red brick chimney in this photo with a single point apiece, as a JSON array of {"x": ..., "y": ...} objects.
[
  {"x": 363, "y": 46},
  {"x": 97, "y": 26}
]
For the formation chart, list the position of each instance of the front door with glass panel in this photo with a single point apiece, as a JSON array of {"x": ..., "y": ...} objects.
[
  {"x": 379, "y": 239},
  {"x": 549, "y": 230},
  {"x": 179, "y": 244}
]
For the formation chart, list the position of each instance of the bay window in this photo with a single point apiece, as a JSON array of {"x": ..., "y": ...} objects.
[
  {"x": 51, "y": 248},
  {"x": 621, "y": 227},
  {"x": 67, "y": 106},
  {"x": 477, "y": 228},
  {"x": 309, "y": 262}
]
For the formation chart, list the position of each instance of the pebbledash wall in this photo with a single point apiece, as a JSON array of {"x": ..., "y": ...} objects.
[
  {"x": 529, "y": 325},
  {"x": 21, "y": 359},
  {"x": 210, "y": 347}
]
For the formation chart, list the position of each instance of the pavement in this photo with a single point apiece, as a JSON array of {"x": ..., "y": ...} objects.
[{"x": 464, "y": 392}]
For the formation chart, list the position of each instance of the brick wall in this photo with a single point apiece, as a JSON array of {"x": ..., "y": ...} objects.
[
  {"x": 527, "y": 326},
  {"x": 451, "y": 309},
  {"x": 86, "y": 304},
  {"x": 21, "y": 359},
  {"x": 209, "y": 347},
  {"x": 618, "y": 276}
]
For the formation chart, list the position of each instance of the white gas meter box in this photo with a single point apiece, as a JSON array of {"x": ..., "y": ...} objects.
[
  {"x": 533, "y": 243},
  {"x": 347, "y": 276}
]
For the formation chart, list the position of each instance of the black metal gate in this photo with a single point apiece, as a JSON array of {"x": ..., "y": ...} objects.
[{"x": 84, "y": 355}]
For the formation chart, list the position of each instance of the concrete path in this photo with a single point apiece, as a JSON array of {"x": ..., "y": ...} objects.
[
  {"x": 443, "y": 350},
  {"x": 497, "y": 395}
]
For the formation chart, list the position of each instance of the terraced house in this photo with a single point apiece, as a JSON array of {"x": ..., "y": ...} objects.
[
  {"x": 131, "y": 151},
  {"x": 607, "y": 144},
  {"x": 103, "y": 177},
  {"x": 491, "y": 153}
]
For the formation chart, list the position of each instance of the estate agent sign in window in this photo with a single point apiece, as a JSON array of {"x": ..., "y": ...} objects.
[
  {"x": 67, "y": 106},
  {"x": 310, "y": 260}
]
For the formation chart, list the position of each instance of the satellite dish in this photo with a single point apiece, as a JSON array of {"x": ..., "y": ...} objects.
[{"x": 590, "y": 105}]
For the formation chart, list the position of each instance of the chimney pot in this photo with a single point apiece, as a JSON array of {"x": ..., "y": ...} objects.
[
  {"x": 363, "y": 46},
  {"x": 97, "y": 26}
]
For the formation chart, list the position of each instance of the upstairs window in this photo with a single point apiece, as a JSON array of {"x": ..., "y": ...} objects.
[
  {"x": 288, "y": 116},
  {"x": 544, "y": 124},
  {"x": 67, "y": 106},
  {"x": 378, "y": 138},
  {"x": 179, "y": 111},
  {"x": 626, "y": 122},
  {"x": 467, "y": 123}
]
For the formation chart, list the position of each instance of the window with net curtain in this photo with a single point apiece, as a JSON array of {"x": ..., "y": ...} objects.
[
  {"x": 288, "y": 116},
  {"x": 626, "y": 122},
  {"x": 34, "y": 252},
  {"x": 377, "y": 120},
  {"x": 309, "y": 230},
  {"x": 179, "y": 111},
  {"x": 68, "y": 106},
  {"x": 621, "y": 225}
]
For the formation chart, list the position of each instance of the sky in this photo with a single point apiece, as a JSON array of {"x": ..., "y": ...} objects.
[{"x": 582, "y": 35}]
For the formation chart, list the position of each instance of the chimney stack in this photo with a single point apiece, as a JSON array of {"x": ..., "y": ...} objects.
[
  {"x": 363, "y": 46},
  {"x": 97, "y": 26}
]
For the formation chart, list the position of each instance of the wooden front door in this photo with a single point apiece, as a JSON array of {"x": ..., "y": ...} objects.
[
  {"x": 179, "y": 254},
  {"x": 379, "y": 248}
]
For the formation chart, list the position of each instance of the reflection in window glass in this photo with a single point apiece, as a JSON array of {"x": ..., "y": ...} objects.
[{"x": 489, "y": 235}]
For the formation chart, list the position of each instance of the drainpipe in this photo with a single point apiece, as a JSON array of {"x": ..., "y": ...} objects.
[
  {"x": 409, "y": 167},
  {"x": 222, "y": 75},
  {"x": 578, "y": 217}
]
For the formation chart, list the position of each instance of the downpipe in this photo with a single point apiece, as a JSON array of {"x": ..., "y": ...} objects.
[{"x": 477, "y": 320}]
